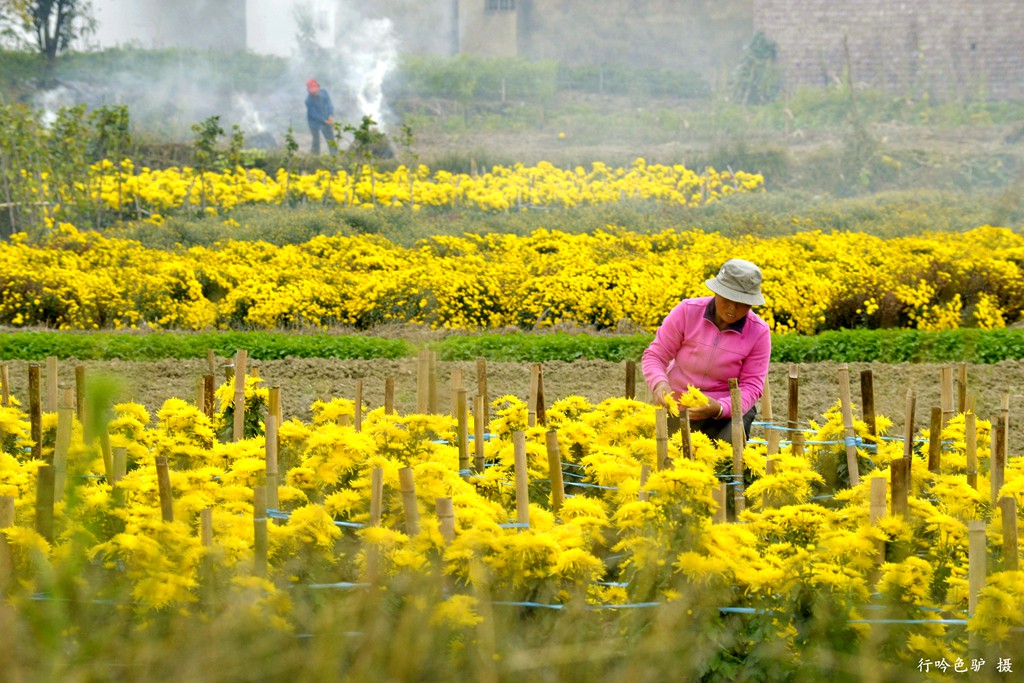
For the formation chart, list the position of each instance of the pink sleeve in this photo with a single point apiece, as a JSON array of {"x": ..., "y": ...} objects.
[
  {"x": 754, "y": 370},
  {"x": 662, "y": 351}
]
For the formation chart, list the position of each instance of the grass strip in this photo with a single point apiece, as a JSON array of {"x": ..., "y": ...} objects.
[
  {"x": 181, "y": 345},
  {"x": 842, "y": 346}
]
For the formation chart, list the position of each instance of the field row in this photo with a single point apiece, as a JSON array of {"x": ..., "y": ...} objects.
[
  {"x": 375, "y": 497},
  {"x": 814, "y": 281}
]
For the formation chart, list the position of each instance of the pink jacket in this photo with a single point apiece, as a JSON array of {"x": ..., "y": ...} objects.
[{"x": 690, "y": 349}]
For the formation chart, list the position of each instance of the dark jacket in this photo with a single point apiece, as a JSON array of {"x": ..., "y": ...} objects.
[{"x": 319, "y": 108}]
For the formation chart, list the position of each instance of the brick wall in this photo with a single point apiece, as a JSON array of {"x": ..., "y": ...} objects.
[{"x": 944, "y": 48}]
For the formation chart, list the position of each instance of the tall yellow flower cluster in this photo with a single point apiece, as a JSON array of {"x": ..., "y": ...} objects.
[
  {"x": 626, "y": 531},
  {"x": 160, "y": 191},
  {"x": 813, "y": 281}
]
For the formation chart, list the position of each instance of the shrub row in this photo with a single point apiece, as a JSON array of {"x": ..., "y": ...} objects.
[{"x": 844, "y": 346}]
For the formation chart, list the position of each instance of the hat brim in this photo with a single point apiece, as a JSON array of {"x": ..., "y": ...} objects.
[{"x": 734, "y": 294}]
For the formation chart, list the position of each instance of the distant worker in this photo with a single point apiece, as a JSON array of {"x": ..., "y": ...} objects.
[
  {"x": 707, "y": 341},
  {"x": 319, "y": 114}
]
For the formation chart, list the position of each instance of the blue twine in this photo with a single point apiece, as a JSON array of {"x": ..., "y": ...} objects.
[
  {"x": 343, "y": 585},
  {"x": 274, "y": 513}
]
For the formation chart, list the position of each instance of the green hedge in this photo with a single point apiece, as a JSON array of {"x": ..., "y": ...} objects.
[
  {"x": 161, "y": 345},
  {"x": 845, "y": 346}
]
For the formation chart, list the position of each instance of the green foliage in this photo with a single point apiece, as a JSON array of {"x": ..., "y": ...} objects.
[
  {"x": 757, "y": 79},
  {"x": 843, "y": 346},
  {"x": 155, "y": 346}
]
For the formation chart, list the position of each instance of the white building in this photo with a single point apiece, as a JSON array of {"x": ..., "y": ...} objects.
[{"x": 262, "y": 26}]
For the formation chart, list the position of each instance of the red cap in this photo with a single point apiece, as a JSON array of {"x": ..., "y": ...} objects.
[{"x": 312, "y": 85}]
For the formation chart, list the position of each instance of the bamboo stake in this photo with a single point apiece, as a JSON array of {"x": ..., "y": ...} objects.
[
  {"x": 531, "y": 401},
  {"x": 478, "y": 433},
  {"x": 961, "y": 388},
  {"x": 867, "y": 399},
  {"x": 412, "y": 513},
  {"x": 796, "y": 436},
  {"x": 5, "y": 385},
  {"x": 877, "y": 510},
  {"x": 108, "y": 458},
  {"x": 6, "y": 561},
  {"x": 238, "y": 430},
  {"x": 481, "y": 387},
  {"x": 120, "y": 467},
  {"x": 274, "y": 403},
  {"x": 432, "y": 382},
  {"x": 462, "y": 420},
  {"x": 769, "y": 470},
  {"x": 908, "y": 425},
  {"x": 163, "y": 478},
  {"x": 206, "y": 527},
  {"x": 738, "y": 439},
  {"x": 80, "y": 393},
  {"x": 456, "y": 380},
  {"x": 1011, "y": 558},
  {"x": 44, "y": 502},
  {"x": 51, "y": 384},
  {"x": 685, "y": 445},
  {"x": 661, "y": 438},
  {"x": 271, "y": 447},
  {"x": 555, "y": 470},
  {"x": 946, "y": 395},
  {"x": 935, "y": 440},
  {"x": 997, "y": 469},
  {"x": 542, "y": 416},
  {"x": 65, "y": 422},
  {"x": 878, "y": 493},
  {"x": 630, "y": 379},
  {"x": 120, "y": 459},
  {"x": 849, "y": 431},
  {"x": 389, "y": 396},
  {"x": 977, "y": 569},
  {"x": 445, "y": 509},
  {"x": 522, "y": 478},
  {"x": 359, "y": 406},
  {"x": 208, "y": 391},
  {"x": 423, "y": 382},
  {"x": 35, "y": 411},
  {"x": 1004, "y": 410},
  {"x": 645, "y": 473},
  {"x": 720, "y": 496},
  {"x": 971, "y": 447},
  {"x": 261, "y": 544},
  {"x": 899, "y": 483},
  {"x": 211, "y": 362},
  {"x": 376, "y": 495},
  {"x": 769, "y": 417}
]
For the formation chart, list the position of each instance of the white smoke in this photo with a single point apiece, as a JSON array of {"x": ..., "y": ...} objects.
[
  {"x": 368, "y": 50},
  {"x": 250, "y": 117}
]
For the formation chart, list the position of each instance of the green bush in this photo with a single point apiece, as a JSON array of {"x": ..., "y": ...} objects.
[
  {"x": 157, "y": 346},
  {"x": 842, "y": 346}
]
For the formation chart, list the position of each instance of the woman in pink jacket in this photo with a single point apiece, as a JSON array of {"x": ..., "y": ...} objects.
[{"x": 706, "y": 341}]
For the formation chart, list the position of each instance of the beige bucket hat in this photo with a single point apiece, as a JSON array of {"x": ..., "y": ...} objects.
[{"x": 739, "y": 281}]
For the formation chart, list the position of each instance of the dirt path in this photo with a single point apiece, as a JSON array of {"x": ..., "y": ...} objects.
[{"x": 302, "y": 381}]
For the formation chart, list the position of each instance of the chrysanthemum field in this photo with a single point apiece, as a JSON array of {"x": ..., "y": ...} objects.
[{"x": 369, "y": 545}]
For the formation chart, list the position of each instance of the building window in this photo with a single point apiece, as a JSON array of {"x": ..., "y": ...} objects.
[{"x": 501, "y": 5}]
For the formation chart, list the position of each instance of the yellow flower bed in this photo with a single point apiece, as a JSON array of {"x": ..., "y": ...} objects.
[
  {"x": 607, "y": 545},
  {"x": 161, "y": 191},
  {"x": 814, "y": 281}
]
